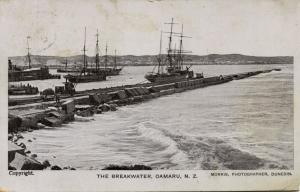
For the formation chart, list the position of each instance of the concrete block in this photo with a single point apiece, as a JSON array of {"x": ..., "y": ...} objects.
[
  {"x": 122, "y": 94},
  {"x": 140, "y": 91},
  {"x": 14, "y": 122},
  {"x": 113, "y": 95},
  {"x": 136, "y": 91},
  {"x": 52, "y": 121},
  {"x": 104, "y": 97},
  {"x": 154, "y": 89},
  {"x": 82, "y": 100},
  {"x": 137, "y": 98},
  {"x": 146, "y": 91},
  {"x": 68, "y": 107},
  {"x": 165, "y": 86},
  {"x": 22, "y": 162},
  {"x": 13, "y": 149},
  {"x": 94, "y": 99},
  {"x": 130, "y": 92},
  {"x": 55, "y": 114}
]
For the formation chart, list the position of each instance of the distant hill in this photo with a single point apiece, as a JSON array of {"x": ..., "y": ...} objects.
[{"x": 132, "y": 60}]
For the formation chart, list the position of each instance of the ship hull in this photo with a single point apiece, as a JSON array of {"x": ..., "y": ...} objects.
[
  {"x": 107, "y": 71},
  {"x": 165, "y": 78},
  {"x": 29, "y": 75},
  {"x": 68, "y": 70},
  {"x": 23, "y": 90},
  {"x": 85, "y": 78}
]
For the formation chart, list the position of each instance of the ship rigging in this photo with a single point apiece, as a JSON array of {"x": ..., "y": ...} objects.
[{"x": 173, "y": 63}]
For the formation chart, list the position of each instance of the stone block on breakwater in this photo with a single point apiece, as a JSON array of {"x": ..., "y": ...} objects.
[
  {"x": 104, "y": 107},
  {"x": 135, "y": 91},
  {"x": 140, "y": 91},
  {"x": 118, "y": 95},
  {"x": 94, "y": 99},
  {"x": 211, "y": 79},
  {"x": 164, "y": 86},
  {"x": 153, "y": 89},
  {"x": 143, "y": 90},
  {"x": 83, "y": 100},
  {"x": 68, "y": 107},
  {"x": 13, "y": 149},
  {"x": 52, "y": 121},
  {"x": 167, "y": 92},
  {"x": 104, "y": 98},
  {"x": 122, "y": 94},
  {"x": 130, "y": 92},
  {"x": 22, "y": 162},
  {"x": 85, "y": 110},
  {"x": 14, "y": 122}
]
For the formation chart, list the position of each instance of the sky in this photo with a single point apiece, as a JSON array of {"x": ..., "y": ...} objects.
[{"x": 56, "y": 27}]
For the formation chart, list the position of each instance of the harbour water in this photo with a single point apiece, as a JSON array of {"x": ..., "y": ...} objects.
[{"x": 253, "y": 116}]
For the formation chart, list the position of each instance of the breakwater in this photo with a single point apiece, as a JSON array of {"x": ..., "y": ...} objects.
[{"x": 88, "y": 104}]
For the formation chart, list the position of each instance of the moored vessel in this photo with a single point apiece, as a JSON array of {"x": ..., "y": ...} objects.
[
  {"x": 171, "y": 68},
  {"x": 108, "y": 71},
  {"x": 19, "y": 74},
  {"x": 85, "y": 75}
]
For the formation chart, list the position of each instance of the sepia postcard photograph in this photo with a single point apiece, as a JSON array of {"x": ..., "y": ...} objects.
[{"x": 149, "y": 95}]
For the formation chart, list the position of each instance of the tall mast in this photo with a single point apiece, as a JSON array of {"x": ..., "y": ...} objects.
[
  {"x": 180, "y": 57},
  {"x": 159, "y": 57},
  {"x": 97, "y": 52},
  {"x": 175, "y": 56},
  {"x": 105, "y": 61},
  {"x": 181, "y": 51},
  {"x": 170, "y": 43},
  {"x": 84, "y": 56},
  {"x": 115, "y": 59},
  {"x": 28, "y": 53}
]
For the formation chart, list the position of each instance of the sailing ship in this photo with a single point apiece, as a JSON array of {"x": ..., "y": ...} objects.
[
  {"x": 108, "y": 71},
  {"x": 86, "y": 75},
  {"x": 18, "y": 74},
  {"x": 174, "y": 67}
]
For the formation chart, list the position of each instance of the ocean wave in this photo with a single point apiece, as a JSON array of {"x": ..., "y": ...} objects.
[
  {"x": 175, "y": 155},
  {"x": 214, "y": 153}
]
